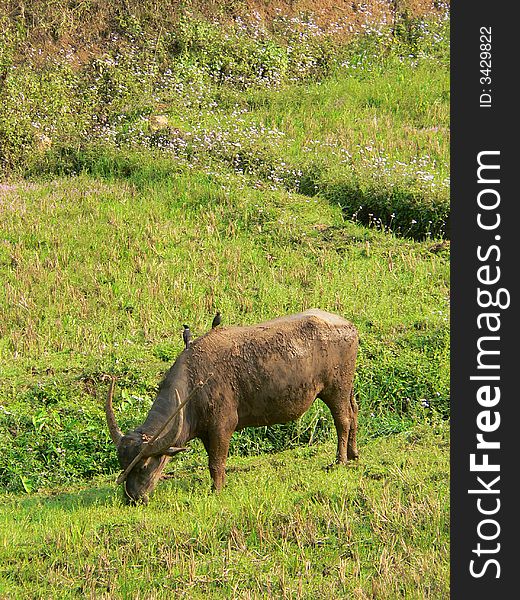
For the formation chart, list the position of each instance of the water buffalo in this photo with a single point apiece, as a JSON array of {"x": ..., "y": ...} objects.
[{"x": 236, "y": 377}]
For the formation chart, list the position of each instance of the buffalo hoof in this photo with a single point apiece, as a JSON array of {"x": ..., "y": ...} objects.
[
  {"x": 129, "y": 501},
  {"x": 331, "y": 467},
  {"x": 336, "y": 465}
]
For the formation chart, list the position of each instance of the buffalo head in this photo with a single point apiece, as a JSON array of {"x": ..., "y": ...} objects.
[{"x": 140, "y": 456}]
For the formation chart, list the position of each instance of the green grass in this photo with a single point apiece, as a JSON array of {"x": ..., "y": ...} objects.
[
  {"x": 283, "y": 527},
  {"x": 376, "y": 143},
  {"x": 87, "y": 262}
]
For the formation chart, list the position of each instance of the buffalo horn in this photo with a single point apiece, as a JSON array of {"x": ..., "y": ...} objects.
[
  {"x": 115, "y": 432},
  {"x": 148, "y": 448},
  {"x": 180, "y": 422}
]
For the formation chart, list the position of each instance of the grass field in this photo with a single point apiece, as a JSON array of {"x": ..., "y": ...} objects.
[
  {"x": 259, "y": 172},
  {"x": 282, "y": 528}
]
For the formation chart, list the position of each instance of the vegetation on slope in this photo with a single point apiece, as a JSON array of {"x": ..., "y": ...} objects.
[{"x": 204, "y": 90}]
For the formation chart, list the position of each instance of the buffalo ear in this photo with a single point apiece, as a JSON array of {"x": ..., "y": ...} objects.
[{"x": 172, "y": 451}]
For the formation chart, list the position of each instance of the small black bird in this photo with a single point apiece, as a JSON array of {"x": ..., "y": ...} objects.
[
  {"x": 186, "y": 336},
  {"x": 217, "y": 319}
]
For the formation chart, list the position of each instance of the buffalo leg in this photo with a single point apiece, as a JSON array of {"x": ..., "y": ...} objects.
[
  {"x": 344, "y": 414},
  {"x": 352, "y": 451},
  {"x": 217, "y": 446},
  {"x": 343, "y": 426}
]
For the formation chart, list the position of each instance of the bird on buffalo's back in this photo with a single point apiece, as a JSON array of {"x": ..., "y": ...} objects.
[
  {"x": 217, "y": 319},
  {"x": 186, "y": 336}
]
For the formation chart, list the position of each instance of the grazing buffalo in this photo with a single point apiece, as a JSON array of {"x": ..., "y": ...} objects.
[{"x": 236, "y": 377}]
